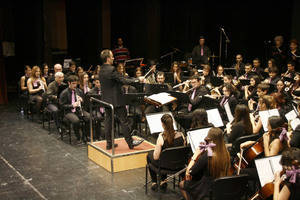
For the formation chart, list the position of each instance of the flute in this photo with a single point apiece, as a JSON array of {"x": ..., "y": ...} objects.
[
  {"x": 148, "y": 73},
  {"x": 180, "y": 84}
]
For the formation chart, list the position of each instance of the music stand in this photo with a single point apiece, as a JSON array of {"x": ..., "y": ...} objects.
[
  {"x": 180, "y": 96},
  {"x": 154, "y": 122},
  {"x": 214, "y": 117},
  {"x": 209, "y": 103},
  {"x": 155, "y": 88},
  {"x": 244, "y": 82},
  {"x": 196, "y": 136},
  {"x": 216, "y": 81}
]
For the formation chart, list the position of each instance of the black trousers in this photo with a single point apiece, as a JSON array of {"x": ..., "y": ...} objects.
[
  {"x": 121, "y": 114},
  {"x": 74, "y": 119},
  {"x": 54, "y": 112}
]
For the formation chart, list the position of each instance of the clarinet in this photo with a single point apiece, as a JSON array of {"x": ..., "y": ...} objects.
[{"x": 80, "y": 107}]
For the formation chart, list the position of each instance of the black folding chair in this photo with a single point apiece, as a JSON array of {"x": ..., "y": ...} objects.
[
  {"x": 229, "y": 188},
  {"x": 170, "y": 162},
  {"x": 236, "y": 144}
]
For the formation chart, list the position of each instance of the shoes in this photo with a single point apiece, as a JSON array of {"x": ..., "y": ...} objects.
[
  {"x": 163, "y": 186},
  {"x": 135, "y": 143},
  {"x": 134, "y": 132},
  {"x": 59, "y": 131},
  {"x": 109, "y": 146},
  {"x": 154, "y": 187},
  {"x": 78, "y": 142}
]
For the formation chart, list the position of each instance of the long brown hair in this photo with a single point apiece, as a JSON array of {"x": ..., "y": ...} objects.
[
  {"x": 33, "y": 71},
  {"x": 241, "y": 113},
  {"x": 219, "y": 163},
  {"x": 199, "y": 119},
  {"x": 169, "y": 132}
]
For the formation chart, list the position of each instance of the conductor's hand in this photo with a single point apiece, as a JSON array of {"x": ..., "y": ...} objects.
[{"x": 141, "y": 79}]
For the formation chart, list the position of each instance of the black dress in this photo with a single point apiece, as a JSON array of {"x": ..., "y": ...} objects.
[
  {"x": 237, "y": 130},
  {"x": 177, "y": 143},
  {"x": 201, "y": 182}
]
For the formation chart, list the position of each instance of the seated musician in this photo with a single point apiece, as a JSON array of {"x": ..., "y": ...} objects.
[
  {"x": 257, "y": 67},
  {"x": 72, "y": 69},
  {"x": 275, "y": 140},
  {"x": 53, "y": 92},
  {"x": 207, "y": 74},
  {"x": 79, "y": 71},
  {"x": 121, "y": 69},
  {"x": 295, "y": 88},
  {"x": 160, "y": 79},
  {"x": 36, "y": 87},
  {"x": 24, "y": 79},
  {"x": 84, "y": 83},
  {"x": 138, "y": 72},
  {"x": 70, "y": 100},
  {"x": 290, "y": 73},
  {"x": 200, "y": 119},
  {"x": 57, "y": 68},
  {"x": 241, "y": 124},
  {"x": 239, "y": 66},
  {"x": 210, "y": 161},
  {"x": 290, "y": 188},
  {"x": 229, "y": 98},
  {"x": 98, "y": 113},
  {"x": 262, "y": 89},
  {"x": 45, "y": 73},
  {"x": 248, "y": 72},
  {"x": 176, "y": 71},
  {"x": 151, "y": 79},
  {"x": 168, "y": 138},
  {"x": 265, "y": 102},
  {"x": 220, "y": 71},
  {"x": 273, "y": 76},
  {"x": 251, "y": 90},
  {"x": 293, "y": 52}
]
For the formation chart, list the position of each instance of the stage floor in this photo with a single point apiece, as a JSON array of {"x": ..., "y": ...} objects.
[{"x": 35, "y": 165}]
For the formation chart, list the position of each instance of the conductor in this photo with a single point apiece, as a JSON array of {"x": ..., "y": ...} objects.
[{"x": 111, "y": 84}]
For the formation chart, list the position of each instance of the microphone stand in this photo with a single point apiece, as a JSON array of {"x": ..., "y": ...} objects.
[{"x": 222, "y": 31}]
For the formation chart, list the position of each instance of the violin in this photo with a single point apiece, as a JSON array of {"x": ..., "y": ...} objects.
[{"x": 249, "y": 154}]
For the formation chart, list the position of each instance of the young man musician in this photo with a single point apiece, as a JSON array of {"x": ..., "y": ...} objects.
[
  {"x": 111, "y": 85},
  {"x": 71, "y": 100},
  {"x": 239, "y": 66}
]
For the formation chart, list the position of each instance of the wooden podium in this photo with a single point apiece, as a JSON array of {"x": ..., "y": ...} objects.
[{"x": 123, "y": 159}]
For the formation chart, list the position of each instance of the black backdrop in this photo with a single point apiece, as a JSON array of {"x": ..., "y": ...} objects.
[{"x": 150, "y": 28}]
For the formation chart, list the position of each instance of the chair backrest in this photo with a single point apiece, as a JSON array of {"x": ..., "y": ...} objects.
[
  {"x": 236, "y": 144},
  {"x": 230, "y": 187},
  {"x": 174, "y": 158}
]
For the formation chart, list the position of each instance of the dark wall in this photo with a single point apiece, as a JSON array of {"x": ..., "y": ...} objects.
[{"x": 247, "y": 23}]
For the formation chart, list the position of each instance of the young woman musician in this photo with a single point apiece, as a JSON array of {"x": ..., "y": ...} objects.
[
  {"x": 250, "y": 90},
  {"x": 96, "y": 72},
  {"x": 36, "y": 87},
  {"x": 229, "y": 97},
  {"x": 24, "y": 79},
  {"x": 200, "y": 119},
  {"x": 241, "y": 124},
  {"x": 84, "y": 83},
  {"x": 168, "y": 138},
  {"x": 220, "y": 71},
  {"x": 290, "y": 162},
  {"x": 275, "y": 140},
  {"x": 210, "y": 161},
  {"x": 121, "y": 69},
  {"x": 176, "y": 71}
]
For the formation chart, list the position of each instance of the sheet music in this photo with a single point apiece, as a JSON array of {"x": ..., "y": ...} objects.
[
  {"x": 197, "y": 136},
  {"x": 228, "y": 112},
  {"x": 162, "y": 98},
  {"x": 214, "y": 117},
  {"x": 266, "y": 168},
  {"x": 264, "y": 116},
  {"x": 154, "y": 122},
  {"x": 67, "y": 63},
  {"x": 291, "y": 115},
  {"x": 294, "y": 123}
]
